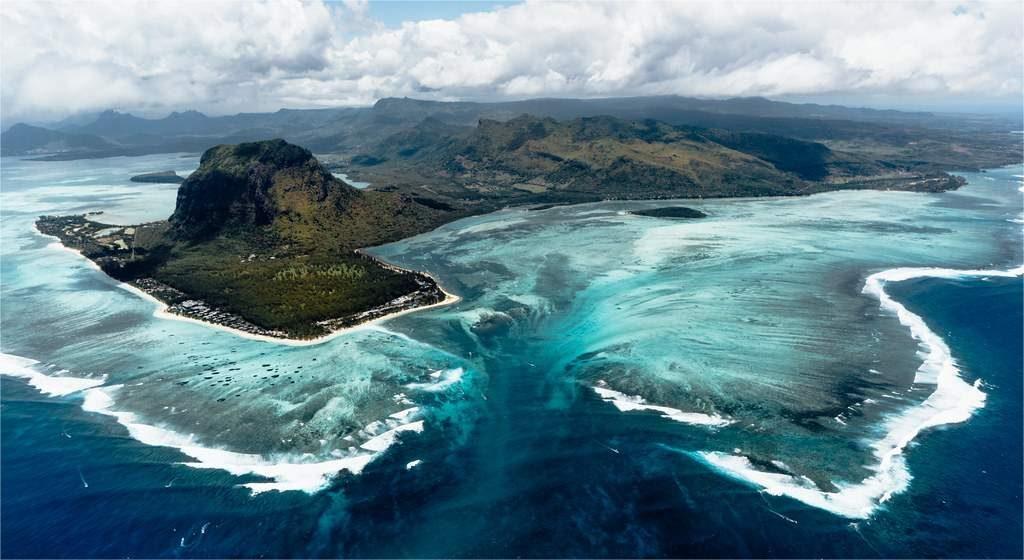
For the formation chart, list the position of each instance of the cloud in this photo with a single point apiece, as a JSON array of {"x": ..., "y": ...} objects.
[{"x": 154, "y": 57}]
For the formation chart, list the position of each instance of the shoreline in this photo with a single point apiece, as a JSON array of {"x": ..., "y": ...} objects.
[
  {"x": 59, "y": 245},
  {"x": 162, "y": 312}
]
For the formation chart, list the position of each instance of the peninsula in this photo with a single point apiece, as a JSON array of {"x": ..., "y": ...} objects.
[{"x": 264, "y": 240}]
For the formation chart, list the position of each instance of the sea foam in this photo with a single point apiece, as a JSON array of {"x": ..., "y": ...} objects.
[
  {"x": 302, "y": 473},
  {"x": 54, "y": 386},
  {"x": 953, "y": 400},
  {"x": 626, "y": 403},
  {"x": 443, "y": 380},
  {"x": 287, "y": 472}
]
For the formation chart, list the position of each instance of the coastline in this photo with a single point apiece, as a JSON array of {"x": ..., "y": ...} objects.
[
  {"x": 162, "y": 313},
  {"x": 162, "y": 310}
]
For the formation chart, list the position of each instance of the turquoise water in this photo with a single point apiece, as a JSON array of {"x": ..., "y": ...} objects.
[
  {"x": 356, "y": 184},
  {"x": 517, "y": 412}
]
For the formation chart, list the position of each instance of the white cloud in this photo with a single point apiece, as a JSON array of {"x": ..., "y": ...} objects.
[{"x": 158, "y": 56}]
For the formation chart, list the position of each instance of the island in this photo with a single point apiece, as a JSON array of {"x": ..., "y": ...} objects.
[
  {"x": 168, "y": 176},
  {"x": 670, "y": 212}
]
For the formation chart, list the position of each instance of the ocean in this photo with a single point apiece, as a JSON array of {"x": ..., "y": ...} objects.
[{"x": 792, "y": 377}]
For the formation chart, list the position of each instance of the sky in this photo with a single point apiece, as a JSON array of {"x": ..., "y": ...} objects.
[{"x": 220, "y": 57}]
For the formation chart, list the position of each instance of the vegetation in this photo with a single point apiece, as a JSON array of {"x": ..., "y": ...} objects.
[
  {"x": 530, "y": 159},
  {"x": 305, "y": 272},
  {"x": 291, "y": 294}
]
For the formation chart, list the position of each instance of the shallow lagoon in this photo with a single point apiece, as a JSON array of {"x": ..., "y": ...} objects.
[{"x": 754, "y": 315}]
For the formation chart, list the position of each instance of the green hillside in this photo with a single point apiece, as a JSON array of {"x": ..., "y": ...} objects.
[{"x": 532, "y": 159}]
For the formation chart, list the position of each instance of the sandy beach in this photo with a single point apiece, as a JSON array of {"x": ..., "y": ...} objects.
[{"x": 163, "y": 313}]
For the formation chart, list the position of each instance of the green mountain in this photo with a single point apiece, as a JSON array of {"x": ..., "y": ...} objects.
[
  {"x": 280, "y": 193},
  {"x": 533, "y": 159}
]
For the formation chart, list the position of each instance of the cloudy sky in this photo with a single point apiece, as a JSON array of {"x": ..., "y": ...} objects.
[{"x": 62, "y": 58}]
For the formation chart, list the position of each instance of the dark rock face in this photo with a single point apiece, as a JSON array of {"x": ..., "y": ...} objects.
[
  {"x": 168, "y": 176},
  {"x": 249, "y": 185}
]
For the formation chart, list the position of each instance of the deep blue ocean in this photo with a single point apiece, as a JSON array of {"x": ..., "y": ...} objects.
[{"x": 751, "y": 326}]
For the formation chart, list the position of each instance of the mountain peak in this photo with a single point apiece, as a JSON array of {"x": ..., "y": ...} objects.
[
  {"x": 189, "y": 114},
  {"x": 113, "y": 114},
  {"x": 251, "y": 185},
  {"x": 276, "y": 152}
]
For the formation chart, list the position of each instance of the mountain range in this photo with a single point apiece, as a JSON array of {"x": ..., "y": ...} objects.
[{"x": 943, "y": 140}]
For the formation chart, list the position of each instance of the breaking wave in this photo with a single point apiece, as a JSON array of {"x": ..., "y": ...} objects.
[
  {"x": 50, "y": 385},
  {"x": 626, "y": 403},
  {"x": 306, "y": 473}
]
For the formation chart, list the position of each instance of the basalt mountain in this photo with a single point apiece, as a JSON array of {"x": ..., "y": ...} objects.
[{"x": 280, "y": 193}]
